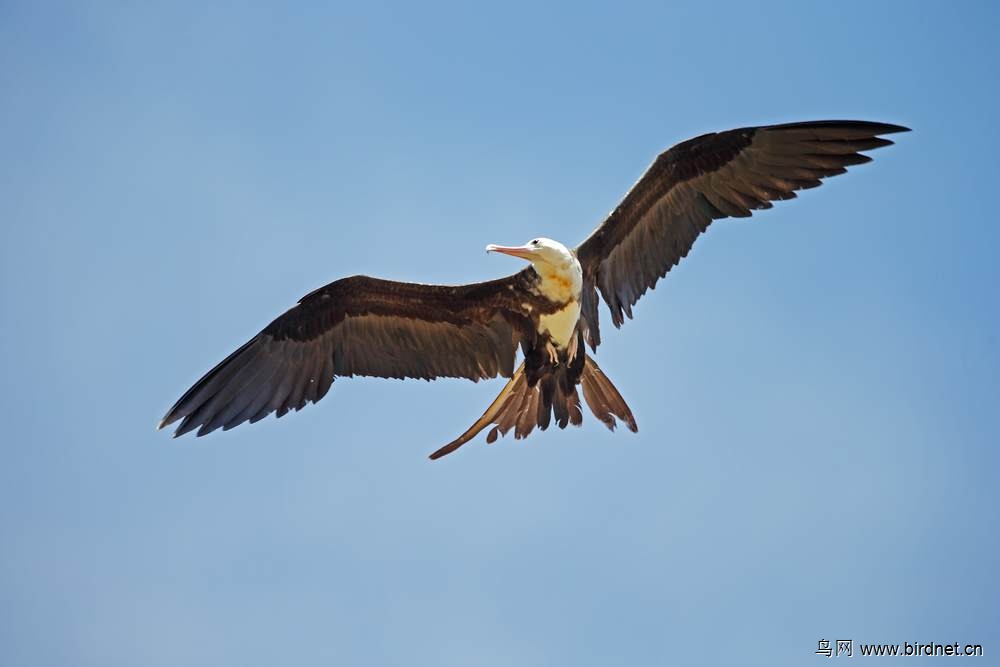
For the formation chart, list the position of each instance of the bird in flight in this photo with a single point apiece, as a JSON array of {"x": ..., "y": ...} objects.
[{"x": 382, "y": 328}]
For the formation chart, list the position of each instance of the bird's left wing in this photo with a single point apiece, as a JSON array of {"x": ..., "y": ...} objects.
[
  {"x": 718, "y": 175},
  {"x": 359, "y": 326}
]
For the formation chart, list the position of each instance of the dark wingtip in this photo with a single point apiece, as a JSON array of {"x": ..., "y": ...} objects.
[
  {"x": 865, "y": 126},
  {"x": 889, "y": 128},
  {"x": 167, "y": 420},
  {"x": 875, "y": 127}
]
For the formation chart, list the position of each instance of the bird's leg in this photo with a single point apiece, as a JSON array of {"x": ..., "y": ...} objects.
[
  {"x": 572, "y": 349},
  {"x": 552, "y": 352}
]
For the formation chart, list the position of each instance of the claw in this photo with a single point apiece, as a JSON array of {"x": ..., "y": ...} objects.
[
  {"x": 553, "y": 353},
  {"x": 572, "y": 349}
]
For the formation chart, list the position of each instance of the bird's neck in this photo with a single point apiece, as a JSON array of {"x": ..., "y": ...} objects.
[{"x": 560, "y": 282}]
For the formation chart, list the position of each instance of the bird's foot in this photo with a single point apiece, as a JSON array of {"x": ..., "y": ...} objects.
[
  {"x": 553, "y": 353},
  {"x": 572, "y": 348}
]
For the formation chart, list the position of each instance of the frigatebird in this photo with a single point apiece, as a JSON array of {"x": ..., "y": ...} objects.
[{"x": 382, "y": 328}]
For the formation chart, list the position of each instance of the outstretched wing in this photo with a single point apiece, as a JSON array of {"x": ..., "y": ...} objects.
[
  {"x": 359, "y": 326},
  {"x": 703, "y": 179}
]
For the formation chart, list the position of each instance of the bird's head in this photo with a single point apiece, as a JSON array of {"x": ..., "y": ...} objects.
[{"x": 538, "y": 251}]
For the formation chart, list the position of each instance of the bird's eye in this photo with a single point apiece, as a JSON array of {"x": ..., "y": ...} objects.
[{"x": 535, "y": 242}]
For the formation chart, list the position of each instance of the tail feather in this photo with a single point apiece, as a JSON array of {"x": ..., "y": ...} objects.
[
  {"x": 522, "y": 407},
  {"x": 603, "y": 399},
  {"x": 543, "y": 413},
  {"x": 560, "y": 402},
  {"x": 573, "y": 408},
  {"x": 522, "y": 415},
  {"x": 513, "y": 391}
]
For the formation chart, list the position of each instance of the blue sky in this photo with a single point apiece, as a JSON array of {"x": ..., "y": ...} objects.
[{"x": 815, "y": 388}]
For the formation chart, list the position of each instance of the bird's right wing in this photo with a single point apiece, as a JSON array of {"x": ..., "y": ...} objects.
[
  {"x": 359, "y": 326},
  {"x": 717, "y": 175}
]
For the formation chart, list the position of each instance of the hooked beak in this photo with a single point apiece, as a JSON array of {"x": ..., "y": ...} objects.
[{"x": 522, "y": 251}]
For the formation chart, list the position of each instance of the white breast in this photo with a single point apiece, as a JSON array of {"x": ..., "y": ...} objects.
[
  {"x": 561, "y": 324},
  {"x": 561, "y": 281}
]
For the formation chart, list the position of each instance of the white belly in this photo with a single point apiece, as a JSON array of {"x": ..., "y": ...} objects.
[{"x": 561, "y": 325}]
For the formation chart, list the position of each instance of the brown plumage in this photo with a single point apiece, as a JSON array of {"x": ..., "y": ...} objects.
[
  {"x": 724, "y": 174},
  {"x": 517, "y": 407},
  {"x": 362, "y": 326},
  {"x": 372, "y": 327}
]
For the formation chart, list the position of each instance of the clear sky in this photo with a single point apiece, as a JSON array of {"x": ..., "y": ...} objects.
[{"x": 816, "y": 388}]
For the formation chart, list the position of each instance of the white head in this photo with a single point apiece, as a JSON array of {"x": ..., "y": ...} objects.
[{"x": 540, "y": 251}]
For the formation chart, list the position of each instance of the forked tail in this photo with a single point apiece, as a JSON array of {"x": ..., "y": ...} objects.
[{"x": 522, "y": 407}]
